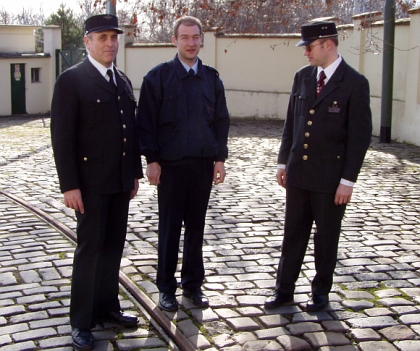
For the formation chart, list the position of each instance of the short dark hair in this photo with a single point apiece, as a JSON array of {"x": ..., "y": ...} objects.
[
  {"x": 334, "y": 40},
  {"x": 187, "y": 21}
]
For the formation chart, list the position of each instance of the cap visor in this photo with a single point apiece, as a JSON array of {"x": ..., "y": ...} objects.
[
  {"x": 305, "y": 42},
  {"x": 101, "y": 29}
]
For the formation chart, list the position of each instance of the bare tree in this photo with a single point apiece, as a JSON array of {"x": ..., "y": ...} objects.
[
  {"x": 90, "y": 7},
  {"x": 155, "y": 17},
  {"x": 5, "y": 17}
]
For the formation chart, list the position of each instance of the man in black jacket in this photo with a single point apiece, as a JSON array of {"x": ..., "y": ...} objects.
[
  {"x": 326, "y": 135},
  {"x": 98, "y": 164},
  {"x": 183, "y": 127}
]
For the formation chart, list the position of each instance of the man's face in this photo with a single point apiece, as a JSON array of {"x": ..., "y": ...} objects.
[
  {"x": 316, "y": 53},
  {"x": 102, "y": 46},
  {"x": 188, "y": 43}
]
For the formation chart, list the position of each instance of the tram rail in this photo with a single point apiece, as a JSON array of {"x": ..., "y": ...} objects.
[{"x": 157, "y": 318}]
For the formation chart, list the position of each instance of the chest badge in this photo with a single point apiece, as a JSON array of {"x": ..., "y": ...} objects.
[{"x": 334, "y": 108}]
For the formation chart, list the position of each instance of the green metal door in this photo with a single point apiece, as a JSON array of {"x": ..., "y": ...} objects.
[{"x": 17, "y": 76}]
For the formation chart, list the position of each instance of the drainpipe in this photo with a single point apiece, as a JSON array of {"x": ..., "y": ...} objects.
[
  {"x": 387, "y": 71},
  {"x": 111, "y": 7}
]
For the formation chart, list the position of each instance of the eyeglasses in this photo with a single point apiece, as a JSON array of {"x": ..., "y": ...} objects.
[{"x": 309, "y": 48}]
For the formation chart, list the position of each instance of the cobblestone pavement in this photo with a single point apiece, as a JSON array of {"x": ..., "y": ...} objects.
[
  {"x": 35, "y": 272},
  {"x": 375, "y": 302}
]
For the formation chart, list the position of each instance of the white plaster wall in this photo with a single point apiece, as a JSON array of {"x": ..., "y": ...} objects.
[
  {"x": 38, "y": 99},
  {"x": 14, "y": 38},
  {"x": 257, "y": 71},
  {"x": 5, "y": 96}
]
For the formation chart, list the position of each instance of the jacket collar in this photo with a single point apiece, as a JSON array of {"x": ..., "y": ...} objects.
[
  {"x": 182, "y": 72},
  {"x": 333, "y": 83},
  {"x": 100, "y": 80}
]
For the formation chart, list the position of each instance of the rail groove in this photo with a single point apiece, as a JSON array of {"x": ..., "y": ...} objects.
[{"x": 158, "y": 318}]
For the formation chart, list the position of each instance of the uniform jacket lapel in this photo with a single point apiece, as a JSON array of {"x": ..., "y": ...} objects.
[
  {"x": 121, "y": 83},
  {"x": 310, "y": 86},
  {"x": 333, "y": 83},
  {"x": 98, "y": 78}
]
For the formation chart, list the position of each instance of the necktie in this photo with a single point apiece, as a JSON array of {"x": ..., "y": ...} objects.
[
  {"x": 191, "y": 72},
  {"x": 320, "y": 83},
  {"x": 111, "y": 78}
]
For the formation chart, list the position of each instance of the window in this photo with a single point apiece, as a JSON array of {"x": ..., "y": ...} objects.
[{"x": 35, "y": 75}]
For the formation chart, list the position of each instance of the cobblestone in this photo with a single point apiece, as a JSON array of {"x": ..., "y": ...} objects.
[{"x": 376, "y": 292}]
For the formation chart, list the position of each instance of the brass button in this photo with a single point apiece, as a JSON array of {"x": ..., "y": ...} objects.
[
  {"x": 84, "y": 158},
  {"x": 125, "y": 140},
  {"x": 124, "y": 126},
  {"x": 338, "y": 157},
  {"x": 98, "y": 100},
  {"x": 122, "y": 111},
  {"x": 305, "y": 146},
  {"x": 311, "y": 112},
  {"x": 305, "y": 157},
  {"x": 307, "y": 134},
  {"x": 119, "y": 97},
  {"x": 123, "y": 153},
  {"x": 309, "y": 123}
]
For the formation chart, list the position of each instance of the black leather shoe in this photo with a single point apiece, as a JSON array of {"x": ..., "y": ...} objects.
[
  {"x": 82, "y": 339},
  {"x": 317, "y": 303},
  {"x": 277, "y": 300},
  {"x": 197, "y": 297},
  {"x": 168, "y": 302},
  {"x": 123, "y": 318}
]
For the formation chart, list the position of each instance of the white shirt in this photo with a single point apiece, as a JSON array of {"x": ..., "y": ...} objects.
[
  {"x": 102, "y": 69},
  {"x": 329, "y": 71},
  {"x": 194, "y": 67}
]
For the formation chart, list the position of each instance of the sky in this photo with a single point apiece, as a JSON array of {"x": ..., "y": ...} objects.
[{"x": 48, "y": 6}]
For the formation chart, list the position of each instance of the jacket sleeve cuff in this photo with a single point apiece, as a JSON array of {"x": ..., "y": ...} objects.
[{"x": 151, "y": 157}]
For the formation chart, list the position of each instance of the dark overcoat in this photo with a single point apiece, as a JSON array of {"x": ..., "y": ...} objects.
[
  {"x": 326, "y": 138},
  {"x": 93, "y": 132}
]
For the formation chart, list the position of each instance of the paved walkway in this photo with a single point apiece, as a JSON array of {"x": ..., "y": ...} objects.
[{"x": 375, "y": 303}]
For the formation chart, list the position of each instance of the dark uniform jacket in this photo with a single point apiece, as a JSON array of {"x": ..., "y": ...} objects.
[
  {"x": 326, "y": 138},
  {"x": 93, "y": 132},
  {"x": 172, "y": 124}
]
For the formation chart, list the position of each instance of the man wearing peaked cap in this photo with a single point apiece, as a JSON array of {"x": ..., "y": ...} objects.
[
  {"x": 97, "y": 157},
  {"x": 325, "y": 138},
  {"x": 317, "y": 30},
  {"x": 102, "y": 22}
]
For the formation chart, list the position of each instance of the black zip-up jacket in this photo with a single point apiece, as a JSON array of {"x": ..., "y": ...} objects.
[{"x": 181, "y": 117}]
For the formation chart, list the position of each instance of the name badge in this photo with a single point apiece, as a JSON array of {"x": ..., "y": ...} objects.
[{"x": 334, "y": 108}]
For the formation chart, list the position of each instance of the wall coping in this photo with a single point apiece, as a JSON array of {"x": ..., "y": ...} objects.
[{"x": 414, "y": 10}]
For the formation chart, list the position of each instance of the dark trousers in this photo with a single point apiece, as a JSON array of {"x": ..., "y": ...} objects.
[
  {"x": 303, "y": 208},
  {"x": 183, "y": 196},
  {"x": 101, "y": 233}
]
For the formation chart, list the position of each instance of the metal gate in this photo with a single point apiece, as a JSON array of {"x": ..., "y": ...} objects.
[{"x": 67, "y": 58}]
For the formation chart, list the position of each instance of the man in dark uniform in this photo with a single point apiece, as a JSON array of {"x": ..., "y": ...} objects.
[
  {"x": 326, "y": 135},
  {"x": 183, "y": 127},
  {"x": 98, "y": 163}
]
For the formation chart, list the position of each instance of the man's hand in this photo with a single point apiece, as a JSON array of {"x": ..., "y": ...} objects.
[
  {"x": 136, "y": 188},
  {"x": 219, "y": 172},
  {"x": 343, "y": 194},
  {"x": 281, "y": 177},
  {"x": 153, "y": 172},
  {"x": 73, "y": 199}
]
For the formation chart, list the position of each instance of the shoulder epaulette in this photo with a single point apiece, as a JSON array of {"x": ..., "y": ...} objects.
[{"x": 211, "y": 68}]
